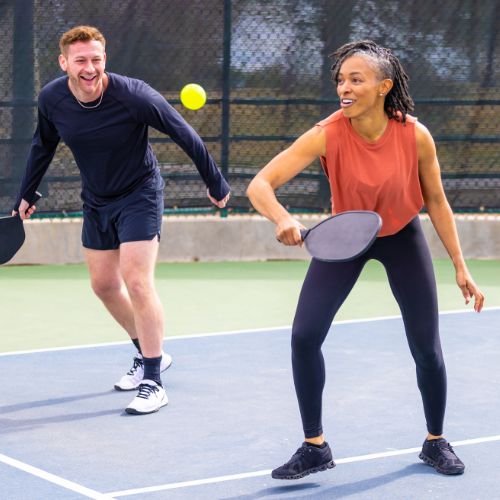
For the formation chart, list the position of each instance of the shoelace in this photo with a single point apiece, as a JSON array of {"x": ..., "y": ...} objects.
[
  {"x": 137, "y": 364},
  {"x": 446, "y": 447},
  {"x": 299, "y": 453},
  {"x": 145, "y": 390}
]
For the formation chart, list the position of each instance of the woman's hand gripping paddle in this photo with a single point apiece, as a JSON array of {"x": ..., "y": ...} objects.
[
  {"x": 342, "y": 237},
  {"x": 12, "y": 234}
]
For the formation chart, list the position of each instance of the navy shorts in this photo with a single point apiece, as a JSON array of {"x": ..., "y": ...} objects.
[{"x": 136, "y": 217}]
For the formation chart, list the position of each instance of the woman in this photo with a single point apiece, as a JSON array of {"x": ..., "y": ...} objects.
[{"x": 377, "y": 157}]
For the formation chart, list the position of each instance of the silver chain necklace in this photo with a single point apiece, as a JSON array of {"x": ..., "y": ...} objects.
[{"x": 90, "y": 107}]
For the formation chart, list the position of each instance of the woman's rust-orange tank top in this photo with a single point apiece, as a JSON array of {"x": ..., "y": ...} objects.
[{"x": 381, "y": 176}]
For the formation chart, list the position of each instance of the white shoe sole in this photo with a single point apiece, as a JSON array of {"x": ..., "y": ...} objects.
[{"x": 134, "y": 411}]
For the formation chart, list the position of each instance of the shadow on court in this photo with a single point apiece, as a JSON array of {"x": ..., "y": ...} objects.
[
  {"x": 296, "y": 489},
  {"x": 31, "y": 405},
  {"x": 364, "y": 486},
  {"x": 232, "y": 411},
  {"x": 15, "y": 423}
]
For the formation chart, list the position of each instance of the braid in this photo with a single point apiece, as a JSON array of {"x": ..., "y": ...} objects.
[{"x": 398, "y": 101}]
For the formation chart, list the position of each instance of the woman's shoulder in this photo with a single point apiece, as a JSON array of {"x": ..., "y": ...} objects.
[
  {"x": 398, "y": 118},
  {"x": 332, "y": 120},
  {"x": 423, "y": 136},
  {"x": 411, "y": 118}
]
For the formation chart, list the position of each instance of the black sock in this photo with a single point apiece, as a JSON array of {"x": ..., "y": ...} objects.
[
  {"x": 136, "y": 343},
  {"x": 152, "y": 369},
  {"x": 322, "y": 445}
]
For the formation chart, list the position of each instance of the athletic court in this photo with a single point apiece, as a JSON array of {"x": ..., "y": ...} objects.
[
  {"x": 232, "y": 417},
  {"x": 233, "y": 414}
]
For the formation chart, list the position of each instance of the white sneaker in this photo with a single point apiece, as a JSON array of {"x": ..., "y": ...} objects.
[
  {"x": 131, "y": 381},
  {"x": 150, "y": 398}
]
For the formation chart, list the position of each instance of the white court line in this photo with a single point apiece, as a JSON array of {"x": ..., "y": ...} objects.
[
  {"x": 246, "y": 475},
  {"x": 69, "y": 485},
  {"x": 230, "y": 332}
]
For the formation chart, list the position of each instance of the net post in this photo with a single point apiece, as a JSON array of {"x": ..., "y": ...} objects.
[{"x": 226, "y": 94}]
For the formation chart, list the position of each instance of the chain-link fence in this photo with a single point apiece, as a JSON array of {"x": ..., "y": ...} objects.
[{"x": 266, "y": 70}]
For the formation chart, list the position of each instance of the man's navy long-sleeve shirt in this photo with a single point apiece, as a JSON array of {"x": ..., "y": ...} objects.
[{"x": 110, "y": 141}]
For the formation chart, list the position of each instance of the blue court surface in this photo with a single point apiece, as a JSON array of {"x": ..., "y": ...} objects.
[{"x": 233, "y": 416}]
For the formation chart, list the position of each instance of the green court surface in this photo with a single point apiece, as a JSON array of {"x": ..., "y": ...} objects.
[{"x": 51, "y": 306}]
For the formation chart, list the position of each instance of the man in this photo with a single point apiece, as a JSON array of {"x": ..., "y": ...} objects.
[{"x": 104, "y": 118}]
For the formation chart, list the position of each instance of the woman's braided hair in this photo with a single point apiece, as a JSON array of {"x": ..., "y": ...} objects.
[{"x": 398, "y": 101}]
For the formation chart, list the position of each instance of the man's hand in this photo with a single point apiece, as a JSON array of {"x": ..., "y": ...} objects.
[
  {"x": 219, "y": 204},
  {"x": 25, "y": 211}
]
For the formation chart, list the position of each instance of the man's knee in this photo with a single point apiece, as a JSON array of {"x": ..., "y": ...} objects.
[
  {"x": 105, "y": 288},
  {"x": 139, "y": 287}
]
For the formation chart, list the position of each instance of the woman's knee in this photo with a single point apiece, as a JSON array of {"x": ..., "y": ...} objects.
[
  {"x": 305, "y": 339},
  {"x": 428, "y": 359}
]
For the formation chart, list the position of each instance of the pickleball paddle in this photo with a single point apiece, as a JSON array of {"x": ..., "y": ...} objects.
[
  {"x": 342, "y": 237},
  {"x": 12, "y": 234}
]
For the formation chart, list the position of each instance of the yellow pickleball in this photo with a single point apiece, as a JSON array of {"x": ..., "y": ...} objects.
[{"x": 193, "y": 96}]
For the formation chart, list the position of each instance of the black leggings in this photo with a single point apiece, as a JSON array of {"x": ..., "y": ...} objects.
[{"x": 408, "y": 264}]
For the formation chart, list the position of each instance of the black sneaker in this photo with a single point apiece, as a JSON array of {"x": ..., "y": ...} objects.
[
  {"x": 306, "y": 460},
  {"x": 440, "y": 454}
]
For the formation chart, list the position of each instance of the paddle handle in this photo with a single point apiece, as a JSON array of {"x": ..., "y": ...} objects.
[{"x": 304, "y": 233}]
